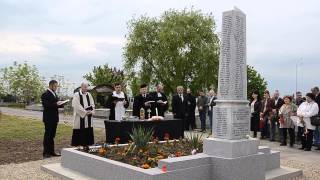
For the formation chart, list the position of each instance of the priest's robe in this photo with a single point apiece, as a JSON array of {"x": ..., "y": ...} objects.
[
  {"x": 157, "y": 106},
  {"x": 139, "y": 102},
  {"x": 82, "y": 125},
  {"x": 117, "y": 106}
]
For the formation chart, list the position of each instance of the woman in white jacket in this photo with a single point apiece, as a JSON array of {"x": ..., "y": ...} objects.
[{"x": 305, "y": 111}]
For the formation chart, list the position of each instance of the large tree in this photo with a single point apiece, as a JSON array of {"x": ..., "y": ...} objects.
[
  {"x": 178, "y": 48},
  {"x": 22, "y": 81},
  {"x": 104, "y": 74},
  {"x": 255, "y": 82}
]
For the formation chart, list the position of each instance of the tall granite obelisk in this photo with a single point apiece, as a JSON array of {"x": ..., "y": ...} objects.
[{"x": 232, "y": 113}]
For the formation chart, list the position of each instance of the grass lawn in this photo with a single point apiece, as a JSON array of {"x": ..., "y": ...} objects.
[{"x": 21, "y": 138}]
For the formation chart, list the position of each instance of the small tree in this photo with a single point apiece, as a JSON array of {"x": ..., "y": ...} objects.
[
  {"x": 104, "y": 74},
  {"x": 23, "y": 81},
  {"x": 255, "y": 82}
]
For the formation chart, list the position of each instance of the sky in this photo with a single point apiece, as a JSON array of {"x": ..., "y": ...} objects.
[{"x": 69, "y": 37}]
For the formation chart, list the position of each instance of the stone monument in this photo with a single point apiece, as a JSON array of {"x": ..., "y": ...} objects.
[
  {"x": 229, "y": 155},
  {"x": 241, "y": 156}
]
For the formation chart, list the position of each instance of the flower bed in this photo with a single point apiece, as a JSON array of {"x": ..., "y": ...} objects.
[
  {"x": 149, "y": 157},
  {"x": 145, "y": 154}
]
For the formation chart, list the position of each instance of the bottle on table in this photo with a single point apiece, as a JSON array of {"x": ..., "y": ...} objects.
[{"x": 142, "y": 114}]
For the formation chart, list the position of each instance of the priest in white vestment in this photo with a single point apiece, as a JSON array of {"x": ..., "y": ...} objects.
[
  {"x": 117, "y": 103},
  {"x": 83, "y": 107}
]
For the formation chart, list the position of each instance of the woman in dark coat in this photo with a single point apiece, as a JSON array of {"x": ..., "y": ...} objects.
[{"x": 255, "y": 106}]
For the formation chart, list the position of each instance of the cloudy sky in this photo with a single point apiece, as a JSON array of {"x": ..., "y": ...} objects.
[{"x": 70, "y": 37}]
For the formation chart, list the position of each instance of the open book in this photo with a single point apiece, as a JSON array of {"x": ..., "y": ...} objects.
[{"x": 59, "y": 103}]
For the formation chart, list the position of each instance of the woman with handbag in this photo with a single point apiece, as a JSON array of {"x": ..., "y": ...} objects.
[
  {"x": 305, "y": 111},
  {"x": 287, "y": 110}
]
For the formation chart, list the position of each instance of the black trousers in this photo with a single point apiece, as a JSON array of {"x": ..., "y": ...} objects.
[
  {"x": 190, "y": 122},
  {"x": 291, "y": 135},
  {"x": 48, "y": 139},
  {"x": 306, "y": 139},
  {"x": 184, "y": 123},
  {"x": 300, "y": 133}
]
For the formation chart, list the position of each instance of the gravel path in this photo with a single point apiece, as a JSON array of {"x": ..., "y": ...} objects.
[{"x": 27, "y": 171}]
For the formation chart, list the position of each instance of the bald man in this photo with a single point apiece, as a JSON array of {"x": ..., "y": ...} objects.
[
  {"x": 83, "y": 106},
  {"x": 179, "y": 106}
]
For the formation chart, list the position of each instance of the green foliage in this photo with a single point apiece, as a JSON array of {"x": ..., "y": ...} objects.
[
  {"x": 195, "y": 140},
  {"x": 104, "y": 74},
  {"x": 179, "y": 48},
  {"x": 135, "y": 85},
  {"x": 255, "y": 82},
  {"x": 2, "y": 91},
  {"x": 22, "y": 81},
  {"x": 141, "y": 137}
]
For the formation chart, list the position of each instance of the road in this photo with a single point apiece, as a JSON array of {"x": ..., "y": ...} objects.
[{"x": 66, "y": 119}]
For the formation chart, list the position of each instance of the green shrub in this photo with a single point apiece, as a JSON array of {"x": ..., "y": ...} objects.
[{"x": 141, "y": 137}]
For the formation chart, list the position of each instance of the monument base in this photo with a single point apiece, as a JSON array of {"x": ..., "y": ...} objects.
[
  {"x": 230, "y": 148},
  {"x": 248, "y": 162}
]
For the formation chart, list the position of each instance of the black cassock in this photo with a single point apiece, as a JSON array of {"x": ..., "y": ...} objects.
[
  {"x": 139, "y": 102},
  {"x": 111, "y": 105},
  {"x": 162, "y": 108}
]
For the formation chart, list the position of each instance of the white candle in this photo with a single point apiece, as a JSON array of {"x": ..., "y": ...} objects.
[{"x": 156, "y": 111}]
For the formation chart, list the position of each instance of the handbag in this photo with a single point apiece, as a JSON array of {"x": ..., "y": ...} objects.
[
  {"x": 281, "y": 120},
  {"x": 315, "y": 120}
]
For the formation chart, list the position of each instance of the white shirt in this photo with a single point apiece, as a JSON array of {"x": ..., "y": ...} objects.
[
  {"x": 252, "y": 106},
  {"x": 54, "y": 94},
  {"x": 307, "y": 110},
  {"x": 181, "y": 97}
]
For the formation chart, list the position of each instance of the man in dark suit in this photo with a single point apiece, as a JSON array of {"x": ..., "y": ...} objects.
[
  {"x": 160, "y": 104},
  {"x": 50, "y": 105},
  {"x": 142, "y": 101},
  {"x": 191, "y": 104},
  {"x": 179, "y": 106},
  {"x": 266, "y": 114},
  {"x": 278, "y": 102},
  {"x": 211, "y": 102}
]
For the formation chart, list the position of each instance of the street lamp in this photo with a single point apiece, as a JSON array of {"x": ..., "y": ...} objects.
[{"x": 298, "y": 62}]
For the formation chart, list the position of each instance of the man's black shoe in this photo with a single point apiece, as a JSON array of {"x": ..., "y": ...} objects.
[{"x": 55, "y": 154}]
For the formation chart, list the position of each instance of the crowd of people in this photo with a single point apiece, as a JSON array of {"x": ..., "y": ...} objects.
[
  {"x": 287, "y": 116},
  {"x": 269, "y": 115}
]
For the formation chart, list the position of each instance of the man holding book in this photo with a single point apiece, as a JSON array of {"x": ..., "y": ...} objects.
[
  {"x": 117, "y": 103},
  {"x": 50, "y": 103},
  {"x": 83, "y": 106}
]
